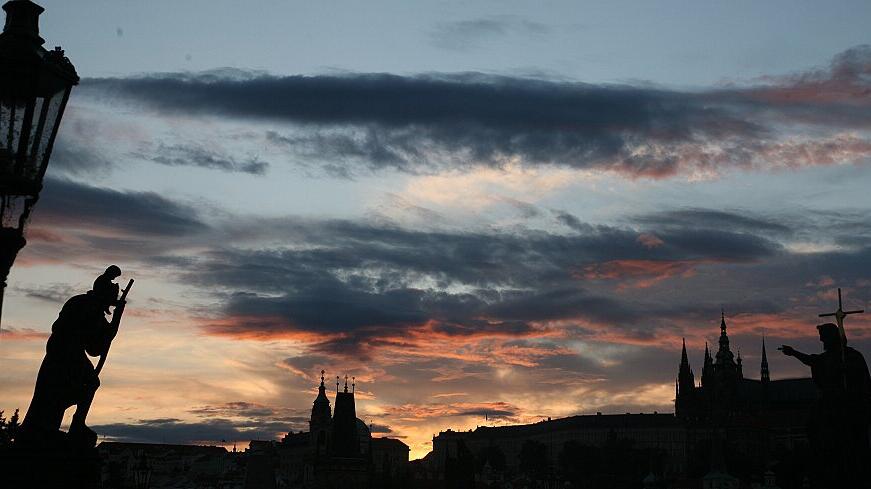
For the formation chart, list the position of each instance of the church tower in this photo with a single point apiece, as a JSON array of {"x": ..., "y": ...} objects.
[
  {"x": 765, "y": 375},
  {"x": 345, "y": 440},
  {"x": 725, "y": 358},
  {"x": 320, "y": 421},
  {"x": 707, "y": 367},
  {"x": 686, "y": 378},
  {"x": 727, "y": 375},
  {"x": 686, "y": 384}
]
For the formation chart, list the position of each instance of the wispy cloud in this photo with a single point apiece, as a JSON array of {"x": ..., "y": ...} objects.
[
  {"x": 198, "y": 156},
  {"x": 465, "y": 35}
]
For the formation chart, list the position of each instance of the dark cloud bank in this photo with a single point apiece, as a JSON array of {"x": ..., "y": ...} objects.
[
  {"x": 428, "y": 122},
  {"x": 229, "y": 422},
  {"x": 74, "y": 204},
  {"x": 361, "y": 284},
  {"x": 358, "y": 285},
  {"x": 352, "y": 286}
]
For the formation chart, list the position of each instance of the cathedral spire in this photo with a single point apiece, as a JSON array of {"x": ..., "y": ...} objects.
[
  {"x": 707, "y": 367},
  {"x": 685, "y": 378},
  {"x": 724, "y": 354},
  {"x": 765, "y": 373}
]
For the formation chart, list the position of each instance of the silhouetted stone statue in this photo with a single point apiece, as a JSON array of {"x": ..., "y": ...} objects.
[
  {"x": 838, "y": 424},
  {"x": 66, "y": 376}
]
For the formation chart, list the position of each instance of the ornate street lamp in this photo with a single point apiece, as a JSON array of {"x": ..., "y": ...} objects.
[
  {"x": 35, "y": 85},
  {"x": 142, "y": 472}
]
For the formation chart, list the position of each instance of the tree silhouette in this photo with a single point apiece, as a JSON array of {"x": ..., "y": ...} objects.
[{"x": 8, "y": 429}]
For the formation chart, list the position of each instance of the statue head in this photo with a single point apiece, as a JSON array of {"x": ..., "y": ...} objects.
[
  {"x": 104, "y": 289},
  {"x": 830, "y": 335}
]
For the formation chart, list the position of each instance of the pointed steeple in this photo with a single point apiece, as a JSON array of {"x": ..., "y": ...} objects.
[
  {"x": 686, "y": 379},
  {"x": 740, "y": 368},
  {"x": 708, "y": 367},
  {"x": 765, "y": 374},
  {"x": 346, "y": 383},
  {"x": 724, "y": 354}
]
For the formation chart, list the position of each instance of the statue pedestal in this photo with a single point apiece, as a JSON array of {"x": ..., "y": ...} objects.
[{"x": 50, "y": 468}]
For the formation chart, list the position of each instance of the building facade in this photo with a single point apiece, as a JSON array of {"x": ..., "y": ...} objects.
[{"x": 338, "y": 451}]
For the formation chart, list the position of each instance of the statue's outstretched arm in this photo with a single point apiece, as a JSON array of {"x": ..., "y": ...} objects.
[{"x": 802, "y": 357}]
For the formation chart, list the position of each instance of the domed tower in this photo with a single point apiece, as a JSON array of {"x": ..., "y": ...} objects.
[{"x": 320, "y": 421}]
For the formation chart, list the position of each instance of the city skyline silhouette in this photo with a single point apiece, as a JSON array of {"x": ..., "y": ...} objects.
[{"x": 485, "y": 215}]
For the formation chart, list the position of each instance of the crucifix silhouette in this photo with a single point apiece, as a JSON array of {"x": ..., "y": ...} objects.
[{"x": 839, "y": 316}]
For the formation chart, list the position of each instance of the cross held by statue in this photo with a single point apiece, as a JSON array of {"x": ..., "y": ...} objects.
[{"x": 839, "y": 316}]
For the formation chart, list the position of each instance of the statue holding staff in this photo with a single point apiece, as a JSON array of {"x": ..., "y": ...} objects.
[{"x": 67, "y": 377}]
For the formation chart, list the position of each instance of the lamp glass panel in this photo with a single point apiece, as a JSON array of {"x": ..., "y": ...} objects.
[
  {"x": 34, "y": 135},
  {"x": 12, "y": 209},
  {"x": 52, "y": 112},
  {"x": 7, "y": 156},
  {"x": 13, "y": 136}
]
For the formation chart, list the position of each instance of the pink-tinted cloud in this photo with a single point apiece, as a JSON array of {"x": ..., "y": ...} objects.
[
  {"x": 845, "y": 81},
  {"x": 22, "y": 334},
  {"x": 641, "y": 273}
]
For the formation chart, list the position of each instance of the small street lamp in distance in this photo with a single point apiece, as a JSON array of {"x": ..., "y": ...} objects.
[
  {"x": 142, "y": 472},
  {"x": 35, "y": 84}
]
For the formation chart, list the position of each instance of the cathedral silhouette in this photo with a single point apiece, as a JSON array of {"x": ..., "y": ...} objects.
[
  {"x": 724, "y": 393},
  {"x": 724, "y": 429},
  {"x": 338, "y": 451}
]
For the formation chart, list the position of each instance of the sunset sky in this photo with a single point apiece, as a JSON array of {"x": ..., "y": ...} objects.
[{"x": 507, "y": 208}]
